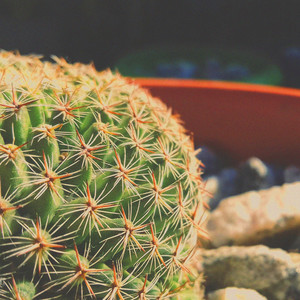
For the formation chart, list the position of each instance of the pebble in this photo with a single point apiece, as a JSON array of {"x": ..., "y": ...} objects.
[
  {"x": 228, "y": 178},
  {"x": 212, "y": 162},
  {"x": 234, "y": 293},
  {"x": 291, "y": 174},
  {"x": 271, "y": 272},
  {"x": 212, "y": 186},
  {"x": 256, "y": 203},
  {"x": 295, "y": 245},
  {"x": 221, "y": 186},
  {"x": 257, "y": 217},
  {"x": 254, "y": 174}
]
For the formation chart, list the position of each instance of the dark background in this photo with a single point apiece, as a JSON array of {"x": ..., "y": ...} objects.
[{"x": 104, "y": 31}]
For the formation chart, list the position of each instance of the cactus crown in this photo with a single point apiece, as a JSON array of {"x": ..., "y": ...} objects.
[{"x": 100, "y": 186}]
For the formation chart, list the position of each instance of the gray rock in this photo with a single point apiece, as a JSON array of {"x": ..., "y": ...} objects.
[
  {"x": 257, "y": 216},
  {"x": 254, "y": 174},
  {"x": 291, "y": 174},
  {"x": 294, "y": 292},
  {"x": 295, "y": 245},
  {"x": 210, "y": 159},
  {"x": 212, "y": 186},
  {"x": 271, "y": 272},
  {"x": 221, "y": 186},
  {"x": 228, "y": 182},
  {"x": 233, "y": 293}
]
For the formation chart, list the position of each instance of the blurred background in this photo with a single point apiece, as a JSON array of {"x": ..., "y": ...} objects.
[{"x": 248, "y": 40}]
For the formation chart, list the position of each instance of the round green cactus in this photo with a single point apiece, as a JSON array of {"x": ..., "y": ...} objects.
[{"x": 101, "y": 191}]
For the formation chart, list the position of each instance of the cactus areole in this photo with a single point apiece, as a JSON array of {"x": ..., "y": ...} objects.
[{"x": 100, "y": 187}]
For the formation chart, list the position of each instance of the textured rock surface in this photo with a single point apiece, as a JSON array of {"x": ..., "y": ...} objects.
[
  {"x": 296, "y": 259},
  {"x": 257, "y": 215},
  {"x": 294, "y": 292},
  {"x": 271, "y": 272},
  {"x": 233, "y": 293},
  {"x": 295, "y": 246}
]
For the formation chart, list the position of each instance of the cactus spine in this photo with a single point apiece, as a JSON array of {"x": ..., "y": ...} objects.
[{"x": 100, "y": 187}]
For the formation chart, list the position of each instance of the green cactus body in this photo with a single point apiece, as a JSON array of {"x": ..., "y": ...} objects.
[{"x": 100, "y": 186}]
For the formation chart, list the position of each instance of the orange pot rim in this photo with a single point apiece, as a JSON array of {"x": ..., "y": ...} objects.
[
  {"x": 219, "y": 85},
  {"x": 243, "y": 119}
]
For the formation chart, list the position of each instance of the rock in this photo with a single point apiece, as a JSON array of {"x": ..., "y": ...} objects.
[
  {"x": 277, "y": 172},
  {"x": 254, "y": 174},
  {"x": 211, "y": 161},
  {"x": 221, "y": 186},
  {"x": 295, "y": 257},
  {"x": 271, "y": 272},
  {"x": 212, "y": 186},
  {"x": 291, "y": 174},
  {"x": 294, "y": 292},
  {"x": 295, "y": 245},
  {"x": 233, "y": 293},
  {"x": 228, "y": 182},
  {"x": 270, "y": 216}
]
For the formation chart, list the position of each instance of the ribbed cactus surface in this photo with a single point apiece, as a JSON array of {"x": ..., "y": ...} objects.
[{"x": 100, "y": 187}]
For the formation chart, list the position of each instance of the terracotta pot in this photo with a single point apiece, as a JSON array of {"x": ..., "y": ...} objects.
[{"x": 238, "y": 120}]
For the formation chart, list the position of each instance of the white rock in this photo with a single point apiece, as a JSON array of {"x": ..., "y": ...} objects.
[
  {"x": 233, "y": 293},
  {"x": 253, "y": 216}
]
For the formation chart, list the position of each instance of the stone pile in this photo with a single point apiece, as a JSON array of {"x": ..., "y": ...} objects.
[{"x": 236, "y": 260}]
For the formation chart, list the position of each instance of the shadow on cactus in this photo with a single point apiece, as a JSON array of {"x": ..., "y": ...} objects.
[{"x": 100, "y": 187}]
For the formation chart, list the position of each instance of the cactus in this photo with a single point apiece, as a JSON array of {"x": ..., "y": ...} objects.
[{"x": 101, "y": 191}]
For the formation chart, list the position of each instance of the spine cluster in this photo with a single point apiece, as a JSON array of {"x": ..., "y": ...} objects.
[{"x": 101, "y": 191}]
